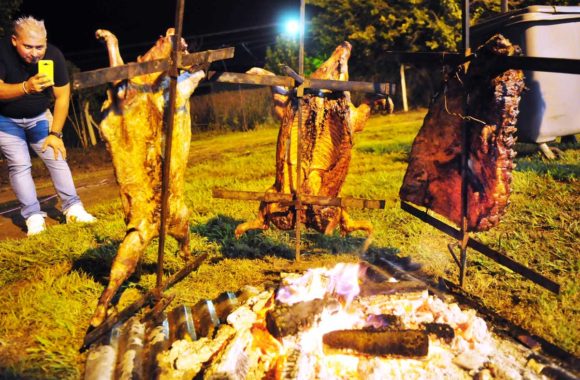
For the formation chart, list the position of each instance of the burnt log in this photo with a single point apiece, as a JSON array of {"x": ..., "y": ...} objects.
[
  {"x": 285, "y": 319},
  {"x": 407, "y": 343},
  {"x": 440, "y": 330},
  {"x": 384, "y": 322}
]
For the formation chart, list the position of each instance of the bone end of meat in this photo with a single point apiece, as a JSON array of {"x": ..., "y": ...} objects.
[
  {"x": 112, "y": 47},
  {"x": 280, "y": 94},
  {"x": 188, "y": 82}
]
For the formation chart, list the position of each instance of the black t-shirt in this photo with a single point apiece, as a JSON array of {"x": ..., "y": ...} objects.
[{"x": 14, "y": 70}]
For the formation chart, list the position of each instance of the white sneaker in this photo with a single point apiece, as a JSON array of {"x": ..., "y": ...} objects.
[
  {"x": 77, "y": 214},
  {"x": 35, "y": 224}
]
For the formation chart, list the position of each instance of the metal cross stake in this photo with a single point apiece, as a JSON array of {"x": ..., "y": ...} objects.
[
  {"x": 173, "y": 74},
  {"x": 299, "y": 94},
  {"x": 462, "y": 235},
  {"x": 464, "y": 154},
  {"x": 172, "y": 66},
  {"x": 297, "y": 81}
]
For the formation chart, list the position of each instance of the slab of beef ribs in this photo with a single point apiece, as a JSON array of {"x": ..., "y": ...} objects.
[{"x": 484, "y": 100}]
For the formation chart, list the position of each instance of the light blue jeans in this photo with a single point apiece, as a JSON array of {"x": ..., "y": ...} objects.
[{"x": 15, "y": 137}]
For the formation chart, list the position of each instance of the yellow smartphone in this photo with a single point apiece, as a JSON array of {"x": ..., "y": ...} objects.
[{"x": 46, "y": 67}]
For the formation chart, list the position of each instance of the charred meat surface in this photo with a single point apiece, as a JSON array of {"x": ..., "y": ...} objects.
[
  {"x": 329, "y": 122},
  {"x": 132, "y": 127},
  {"x": 485, "y": 102}
]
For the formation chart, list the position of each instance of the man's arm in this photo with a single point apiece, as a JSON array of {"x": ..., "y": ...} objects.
[
  {"x": 33, "y": 85},
  {"x": 11, "y": 91},
  {"x": 61, "y": 104}
]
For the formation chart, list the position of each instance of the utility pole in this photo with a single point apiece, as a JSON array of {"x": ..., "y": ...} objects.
[{"x": 404, "y": 88}]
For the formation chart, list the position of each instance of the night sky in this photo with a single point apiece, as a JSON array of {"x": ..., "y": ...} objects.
[{"x": 248, "y": 25}]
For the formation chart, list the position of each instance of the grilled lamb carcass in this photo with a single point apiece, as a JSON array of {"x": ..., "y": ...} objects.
[
  {"x": 329, "y": 122},
  {"x": 433, "y": 177},
  {"x": 132, "y": 127}
]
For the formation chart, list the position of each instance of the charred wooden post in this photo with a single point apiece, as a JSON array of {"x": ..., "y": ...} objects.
[
  {"x": 553, "y": 65},
  {"x": 102, "y": 358},
  {"x": 173, "y": 74},
  {"x": 287, "y": 199},
  {"x": 496, "y": 256},
  {"x": 376, "y": 288},
  {"x": 97, "y": 77},
  {"x": 387, "y": 89},
  {"x": 292, "y": 368},
  {"x": 465, "y": 138},
  {"x": 300, "y": 94}
]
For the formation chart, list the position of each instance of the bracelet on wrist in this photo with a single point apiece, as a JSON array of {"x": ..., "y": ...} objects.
[
  {"x": 24, "y": 88},
  {"x": 57, "y": 134}
]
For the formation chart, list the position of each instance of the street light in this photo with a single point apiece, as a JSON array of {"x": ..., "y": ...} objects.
[{"x": 290, "y": 27}]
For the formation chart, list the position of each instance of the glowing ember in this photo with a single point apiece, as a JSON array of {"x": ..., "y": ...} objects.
[{"x": 459, "y": 343}]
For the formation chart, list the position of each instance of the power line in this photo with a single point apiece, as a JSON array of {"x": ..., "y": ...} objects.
[
  {"x": 247, "y": 29},
  {"x": 250, "y": 40},
  {"x": 186, "y": 37}
]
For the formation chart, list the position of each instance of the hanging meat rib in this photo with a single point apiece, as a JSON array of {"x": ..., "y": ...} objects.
[
  {"x": 132, "y": 127},
  {"x": 329, "y": 122},
  {"x": 490, "y": 99}
]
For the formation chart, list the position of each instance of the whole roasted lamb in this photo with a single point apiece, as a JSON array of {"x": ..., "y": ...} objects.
[
  {"x": 329, "y": 123},
  {"x": 132, "y": 127},
  {"x": 484, "y": 100}
]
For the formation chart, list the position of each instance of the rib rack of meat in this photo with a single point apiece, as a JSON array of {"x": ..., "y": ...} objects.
[
  {"x": 329, "y": 123},
  {"x": 132, "y": 127},
  {"x": 490, "y": 99}
]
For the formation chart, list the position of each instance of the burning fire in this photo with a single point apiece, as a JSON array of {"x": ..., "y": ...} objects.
[{"x": 319, "y": 309}]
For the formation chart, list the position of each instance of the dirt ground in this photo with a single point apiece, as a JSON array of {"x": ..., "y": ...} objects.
[{"x": 94, "y": 179}]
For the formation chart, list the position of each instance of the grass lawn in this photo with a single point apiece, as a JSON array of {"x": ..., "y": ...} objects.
[{"x": 51, "y": 282}]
